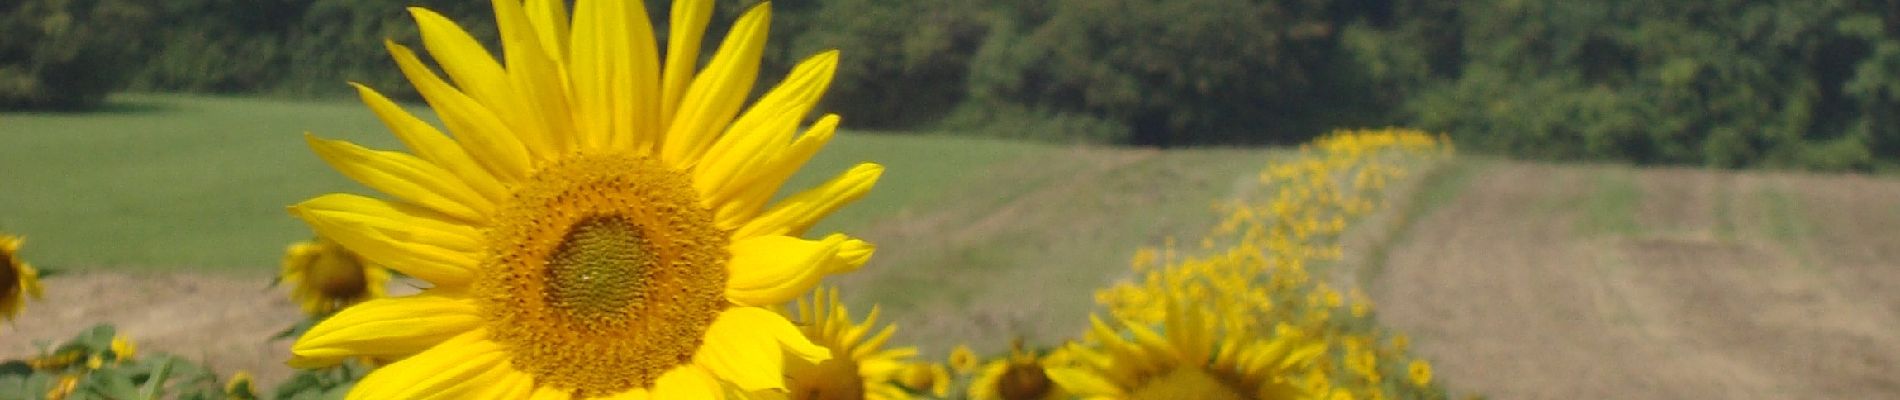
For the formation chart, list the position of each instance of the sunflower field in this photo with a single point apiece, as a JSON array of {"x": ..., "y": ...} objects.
[{"x": 598, "y": 215}]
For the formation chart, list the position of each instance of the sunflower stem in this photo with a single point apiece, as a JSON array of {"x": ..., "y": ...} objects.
[{"x": 157, "y": 381}]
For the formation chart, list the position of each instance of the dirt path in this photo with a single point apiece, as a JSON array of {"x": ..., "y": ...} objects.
[
  {"x": 1733, "y": 286},
  {"x": 224, "y": 322}
]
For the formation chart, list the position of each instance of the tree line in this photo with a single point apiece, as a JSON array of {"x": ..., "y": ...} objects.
[{"x": 1787, "y": 83}]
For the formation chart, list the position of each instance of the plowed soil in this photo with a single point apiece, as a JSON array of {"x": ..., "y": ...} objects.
[{"x": 1728, "y": 285}]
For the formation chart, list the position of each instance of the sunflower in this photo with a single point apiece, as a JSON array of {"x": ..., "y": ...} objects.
[
  {"x": 963, "y": 360},
  {"x": 327, "y": 277},
  {"x": 1190, "y": 359},
  {"x": 17, "y": 278},
  {"x": 859, "y": 367},
  {"x": 598, "y": 224},
  {"x": 1024, "y": 375},
  {"x": 240, "y": 387},
  {"x": 1420, "y": 373},
  {"x": 930, "y": 378}
]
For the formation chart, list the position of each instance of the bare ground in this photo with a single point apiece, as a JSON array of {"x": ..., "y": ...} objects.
[
  {"x": 225, "y": 322},
  {"x": 1734, "y": 285}
]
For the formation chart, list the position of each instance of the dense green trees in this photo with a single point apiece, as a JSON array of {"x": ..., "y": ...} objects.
[
  {"x": 67, "y": 53},
  {"x": 1724, "y": 83},
  {"x": 1811, "y": 83}
]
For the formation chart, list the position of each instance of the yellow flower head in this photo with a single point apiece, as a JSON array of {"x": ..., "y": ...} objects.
[
  {"x": 859, "y": 368},
  {"x": 1193, "y": 357},
  {"x": 18, "y": 280},
  {"x": 1023, "y": 375},
  {"x": 930, "y": 378},
  {"x": 325, "y": 277},
  {"x": 123, "y": 348},
  {"x": 63, "y": 387},
  {"x": 963, "y": 360},
  {"x": 595, "y": 223},
  {"x": 1420, "y": 372},
  {"x": 240, "y": 387}
]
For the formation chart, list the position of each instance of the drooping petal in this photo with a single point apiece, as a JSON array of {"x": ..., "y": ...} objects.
[
  {"x": 688, "y": 25},
  {"x": 746, "y": 346},
  {"x": 462, "y": 367},
  {"x": 798, "y": 213},
  {"x": 385, "y": 328},
  {"x": 1084, "y": 384},
  {"x": 686, "y": 383},
  {"x": 717, "y": 94},
  {"x": 430, "y": 144},
  {"x": 475, "y": 127},
  {"x": 769, "y": 270},
  {"x": 405, "y": 176},
  {"x": 406, "y": 238}
]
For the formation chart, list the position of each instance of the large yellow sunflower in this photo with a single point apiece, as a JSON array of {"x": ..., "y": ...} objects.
[
  {"x": 1193, "y": 358},
  {"x": 17, "y": 278},
  {"x": 859, "y": 368},
  {"x": 325, "y": 277},
  {"x": 597, "y": 227}
]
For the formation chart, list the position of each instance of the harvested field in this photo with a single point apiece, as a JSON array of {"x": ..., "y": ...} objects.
[{"x": 1541, "y": 281}]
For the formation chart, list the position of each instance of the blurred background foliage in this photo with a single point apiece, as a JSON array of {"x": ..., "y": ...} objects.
[{"x": 1729, "y": 83}]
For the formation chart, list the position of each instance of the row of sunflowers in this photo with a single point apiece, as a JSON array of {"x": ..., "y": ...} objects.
[{"x": 596, "y": 221}]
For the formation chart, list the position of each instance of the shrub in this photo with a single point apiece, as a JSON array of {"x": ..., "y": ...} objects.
[
  {"x": 1177, "y": 72},
  {"x": 67, "y": 54}
]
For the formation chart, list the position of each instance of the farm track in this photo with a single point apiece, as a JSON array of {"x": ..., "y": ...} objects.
[{"x": 1731, "y": 285}]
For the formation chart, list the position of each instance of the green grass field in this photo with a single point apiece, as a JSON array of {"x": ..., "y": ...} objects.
[
  {"x": 170, "y": 182},
  {"x": 184, "y": 182}
]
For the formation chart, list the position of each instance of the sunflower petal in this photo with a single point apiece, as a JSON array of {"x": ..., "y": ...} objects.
[
  {"x": 687, "y": 383},
  {"x": 462, "y": 367},
  {"x": 764, "y": 130},
  {"x": 751, "y": 191},
  {"x": 615, "y": 73},
  {"x": 769, "y": 270},
  {"x": 475, "y": 127},
  {"x": 798, "y": 213},
  {"x": 1084, "y": 384},
  {"x": 512, "y": 385},
  {"x": 534, "y": 71},
  {"x": 717, "y": 94},
  {"x": 549, "y": 20},
  {"x": 409, "y": 239},
  {"x": 429, "y": 143},
  {"x": 747, "y": 345},
  {"x": 405, "y": 176},
  {"x": 552, "y": 393},
  {"x": 385, "y": 328},
  {"x": 688, "y": 24}
]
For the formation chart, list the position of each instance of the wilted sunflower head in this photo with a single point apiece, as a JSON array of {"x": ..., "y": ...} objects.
[
  {"x": 1023, "y": 375},
  {"x": 326, "y": 277},
  {"x": 18, "y": 280}
]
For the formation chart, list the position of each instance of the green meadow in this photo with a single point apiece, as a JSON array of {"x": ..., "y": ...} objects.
[{"x": 200, "y": 183}]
